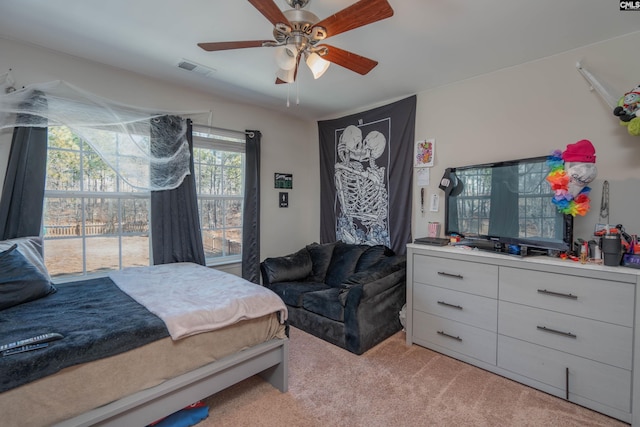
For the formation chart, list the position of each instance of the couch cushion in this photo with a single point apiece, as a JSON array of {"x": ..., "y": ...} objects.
[
  {"x": 292, "y": 292},
  {"x": 372, "y": 256},
  {"x": 343, "y": 262},
  {"x": 320, "y": 257},
  {"x": 288, "y": 268},
  {"x": 325, "y": 303}
]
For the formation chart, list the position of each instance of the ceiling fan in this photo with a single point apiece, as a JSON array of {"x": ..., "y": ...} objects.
[{"x": 298, "y": 32}]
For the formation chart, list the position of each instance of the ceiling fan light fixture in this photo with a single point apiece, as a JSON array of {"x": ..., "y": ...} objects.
[
  {"x": 317, "y": 64},
  {"x": 298, "y": 32},
  {"x": 285, "y": 57},
  {"x": 287, "y": 76}
]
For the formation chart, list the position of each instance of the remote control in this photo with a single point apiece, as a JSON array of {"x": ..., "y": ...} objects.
[
  {"x": 24, "y": 348},
  {"x": 52, "y": 336}
]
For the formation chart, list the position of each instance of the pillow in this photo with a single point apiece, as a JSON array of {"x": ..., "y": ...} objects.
[
  {"x": 372, "y": 256},
  {"x": 288, "y": 268},
  {"x": 31, "y": 248},
  {"x": 320, "y": 257},
  {"x": 343, "y": 262},
  {"x": 20, "y": 281}
]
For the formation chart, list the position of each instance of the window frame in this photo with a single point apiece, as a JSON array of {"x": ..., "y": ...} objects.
[
  {"x": 208, "y": 138},
  {"x": 81, "y": 195}
]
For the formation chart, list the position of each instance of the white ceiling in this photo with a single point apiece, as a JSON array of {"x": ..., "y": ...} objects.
[{"x": 427, "y": 43}]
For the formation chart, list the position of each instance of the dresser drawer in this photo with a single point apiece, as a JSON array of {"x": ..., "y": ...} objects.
[
  {"x": 455, "y": 336},
  {"x": 597, "y": 299},
  {"x": 591, "y": 380},
  {"x": 474, "y": 310},
  {"x": 470, "y": 277},
  {"x": 600, "y": 341}
]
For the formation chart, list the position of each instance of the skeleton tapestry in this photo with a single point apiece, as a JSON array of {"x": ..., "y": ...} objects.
[{"x": 365, "y": 176}]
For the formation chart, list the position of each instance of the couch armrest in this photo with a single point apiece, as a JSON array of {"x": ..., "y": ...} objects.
[
  {"x": 384, "y": 276},
  {"x": 288, "y": 268},
  {"x": 371, "y": 289}
]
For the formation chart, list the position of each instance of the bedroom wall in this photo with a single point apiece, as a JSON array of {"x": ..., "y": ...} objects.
[
  {"x": 531, "y": 109},
  {"x": 288, "y": 144},
  {"x": 522, "y": 111}
]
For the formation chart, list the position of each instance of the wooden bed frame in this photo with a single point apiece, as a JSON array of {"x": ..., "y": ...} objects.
[{"x": 268, "y": 359}]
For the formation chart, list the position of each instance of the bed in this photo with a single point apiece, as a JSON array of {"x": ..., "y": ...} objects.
[{"x": 122, "y": 362}]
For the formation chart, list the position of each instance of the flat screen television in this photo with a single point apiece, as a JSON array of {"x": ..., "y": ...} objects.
[{"x": 506, "y": 203}]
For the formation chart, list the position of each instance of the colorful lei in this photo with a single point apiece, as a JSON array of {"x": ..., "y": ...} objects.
[{"x": 559, "y": 180}]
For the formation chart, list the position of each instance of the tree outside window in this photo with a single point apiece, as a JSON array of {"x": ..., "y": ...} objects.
[{"x": 94, "y": 222}]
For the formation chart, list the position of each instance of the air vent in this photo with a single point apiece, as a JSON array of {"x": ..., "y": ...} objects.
[{"x": 196, "y": 68}]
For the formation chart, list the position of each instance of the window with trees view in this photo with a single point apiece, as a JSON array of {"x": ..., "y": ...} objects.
[
  {"x": 219, "y": 170},
  {"x": 94, "y": 222}
]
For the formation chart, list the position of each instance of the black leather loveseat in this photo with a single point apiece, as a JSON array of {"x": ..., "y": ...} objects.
[{"x": 349, "y": 295}]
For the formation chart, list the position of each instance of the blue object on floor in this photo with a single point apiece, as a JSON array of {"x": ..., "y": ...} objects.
[{"x": 186, "y": 417}]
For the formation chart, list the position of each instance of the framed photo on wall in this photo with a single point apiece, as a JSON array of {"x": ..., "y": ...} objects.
[{"x": 283, "y": 180}]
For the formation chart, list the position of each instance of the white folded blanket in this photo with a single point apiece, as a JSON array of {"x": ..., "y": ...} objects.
[{"x": 191, "y": 298}]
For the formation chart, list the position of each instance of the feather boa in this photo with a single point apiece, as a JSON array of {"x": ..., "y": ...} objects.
[{"x": 559, "y": 181}]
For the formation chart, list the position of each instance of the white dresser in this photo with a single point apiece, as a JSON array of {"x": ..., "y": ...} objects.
[{"x": 559, "y": 326}]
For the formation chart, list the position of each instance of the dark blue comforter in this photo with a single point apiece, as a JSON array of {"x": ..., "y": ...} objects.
[{"x": 96, "y": 318}]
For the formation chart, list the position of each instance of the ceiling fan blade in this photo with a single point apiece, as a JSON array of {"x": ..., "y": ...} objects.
[
  {"x": 270, "y": 11},
  {"x": 210, "y": 47},
  {"x": 349, "y": 60},
  {"x": 358, "y": 14}
]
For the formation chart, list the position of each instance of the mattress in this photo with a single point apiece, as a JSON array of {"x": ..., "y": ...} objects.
[{"x": 77, "y": 389}]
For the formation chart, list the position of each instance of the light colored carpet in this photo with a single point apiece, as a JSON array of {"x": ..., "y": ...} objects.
[{"x": 390, "y": 385}]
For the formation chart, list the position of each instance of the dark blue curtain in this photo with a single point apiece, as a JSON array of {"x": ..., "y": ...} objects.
[
  {"x": 23, "y": 190},
  {"x": 251, "y": 211},
  {"x": 175, "y": 222},
  {"x": 22, "y": 199}
]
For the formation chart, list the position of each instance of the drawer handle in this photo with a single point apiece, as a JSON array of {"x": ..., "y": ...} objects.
[
  {"x": 554, "y": 331},
  {"x": 446, "y": 304},
  {"x": 444, "y": 334},
  {"x": 557, "y": 294},
  {"x": 455, "y": 276}
]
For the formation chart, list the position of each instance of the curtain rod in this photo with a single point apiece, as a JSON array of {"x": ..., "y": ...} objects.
[
  {"x": 221, "y": 129},
  {"x": 610, "y": 99}
]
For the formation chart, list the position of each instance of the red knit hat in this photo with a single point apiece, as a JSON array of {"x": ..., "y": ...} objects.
[{"x": 582, "y": 151}]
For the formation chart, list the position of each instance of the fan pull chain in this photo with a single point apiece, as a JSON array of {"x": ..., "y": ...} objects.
[
  {"x": 288, "y": 85},
  {"x": 297, "y": 93}
]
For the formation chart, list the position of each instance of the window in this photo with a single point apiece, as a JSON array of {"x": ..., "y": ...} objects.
[
  {"x": 93, "y": 222},
  {"x": 219, "y": 163}
]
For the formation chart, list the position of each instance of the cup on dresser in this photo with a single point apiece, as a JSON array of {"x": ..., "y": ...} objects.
[
  {"x": 612, "y": 249},
  {"x": 434, "y": 229}
]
